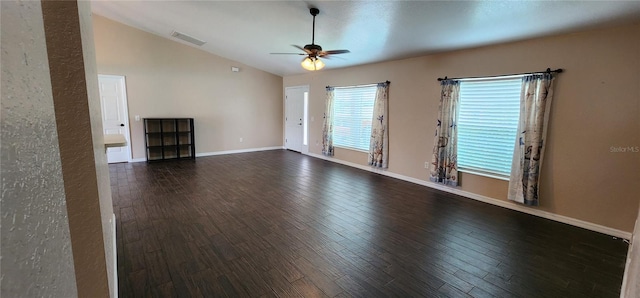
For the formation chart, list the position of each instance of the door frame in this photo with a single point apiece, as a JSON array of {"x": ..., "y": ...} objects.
[
  {"x": 127, "y": 134},
  {"x": 305, "y": 121}
]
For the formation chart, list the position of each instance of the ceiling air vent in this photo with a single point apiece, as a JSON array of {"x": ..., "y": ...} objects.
[{"x": 187, "y": 38}]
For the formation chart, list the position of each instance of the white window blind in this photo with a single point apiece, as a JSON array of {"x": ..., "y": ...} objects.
[
  {"x": 487, "y": 124},
  {"x": 352, "y": 112}
]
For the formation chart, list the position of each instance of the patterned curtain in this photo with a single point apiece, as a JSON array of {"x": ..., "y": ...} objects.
[
  {"x": 444, "y": 163},
  {"x": 535, "y": 104},
  {"x": 327, "y": 126},
  {"x": 379, "y": 145}
]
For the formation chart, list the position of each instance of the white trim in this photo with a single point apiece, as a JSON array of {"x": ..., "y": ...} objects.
[
  {"x": 351, "y": 148},
  {"x": 485, "y": 174},
  {"x": 631, "y": 267},
  {"x": 505, "y": 204},
  {"x": 237, "y": 151},
  {"x": 202, "y": 154},
  {"x": 115, "y": 260}
]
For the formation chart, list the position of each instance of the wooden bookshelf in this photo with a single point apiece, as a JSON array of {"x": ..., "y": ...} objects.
[{"x": 169, "y": 138}]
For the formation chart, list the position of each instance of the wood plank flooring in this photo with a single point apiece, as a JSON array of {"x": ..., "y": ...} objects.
[{"x": 281, "y": 224}]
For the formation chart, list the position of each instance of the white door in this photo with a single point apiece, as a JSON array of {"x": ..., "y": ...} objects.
[
  {"x": 295, "y": 122},
  {"x": 115, "y": 118}
]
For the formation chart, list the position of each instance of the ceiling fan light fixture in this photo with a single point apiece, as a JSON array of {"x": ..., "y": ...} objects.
[
  {"x": 312, "y": 63},
  {"x": 313, "y": 51}
]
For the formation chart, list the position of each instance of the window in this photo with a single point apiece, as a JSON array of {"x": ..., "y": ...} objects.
[
  {"x": 352, "y": 112},
  {"x": 487, "y": 124}
]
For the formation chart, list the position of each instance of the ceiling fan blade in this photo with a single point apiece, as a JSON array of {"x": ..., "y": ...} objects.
[
  {"x": 333, "y": 57},
  {"x": 287, "y": 54},
  {"x": 302, "y": 49},
  {"x": 335, "y": 52}
]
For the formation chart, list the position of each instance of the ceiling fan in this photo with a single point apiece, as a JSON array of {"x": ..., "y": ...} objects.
[{"x": 314, "y": 51}]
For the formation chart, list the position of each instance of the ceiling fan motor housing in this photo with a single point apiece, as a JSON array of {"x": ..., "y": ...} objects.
[{"x": 314, "y": 48}]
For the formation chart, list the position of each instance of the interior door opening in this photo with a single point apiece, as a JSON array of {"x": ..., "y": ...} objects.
[
  {"x": 115, "y": 117},
  {"x": 296, "y": 119}
]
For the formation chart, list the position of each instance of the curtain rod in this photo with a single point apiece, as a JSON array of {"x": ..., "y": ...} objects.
[
  {"x": 387, "y": 82},
  {"x": 559, "y": 70}
]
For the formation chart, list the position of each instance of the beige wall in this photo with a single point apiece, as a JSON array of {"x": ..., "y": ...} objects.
[
  {"x": 99, "y": 153},
  {"x": 596, "y": 106},
  {"x": 74, "y": 83},
  {"x": 168, "y": 79}
]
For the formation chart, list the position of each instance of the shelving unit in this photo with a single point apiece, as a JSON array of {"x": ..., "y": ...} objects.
[{"x": 169, "y": 138}]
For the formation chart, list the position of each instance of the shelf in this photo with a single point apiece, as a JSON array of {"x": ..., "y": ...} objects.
[
  {"x": 153, "y": 141},
  {"x": 152, "y": 125},
  {"x": 169, "y": 138},
  {"x": 161, "y": 133},
  {"x": 154, "y": 153},
  {"x": 117, "y": 140},
  {"x": 184, "y": 124}
]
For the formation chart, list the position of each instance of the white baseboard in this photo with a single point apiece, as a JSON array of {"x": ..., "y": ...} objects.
[
  {"x": 237, "y": 151},
  {"x": 115, "y": 260},
  {"x": 489, "y": 200},
  {"x": 222, "y": 152}
]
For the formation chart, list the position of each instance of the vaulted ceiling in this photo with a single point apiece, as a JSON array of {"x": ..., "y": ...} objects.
[{"x": 374, "y": 31}]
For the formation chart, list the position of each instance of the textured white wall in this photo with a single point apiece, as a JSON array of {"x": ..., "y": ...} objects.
[{"x": 36, "y": 247}]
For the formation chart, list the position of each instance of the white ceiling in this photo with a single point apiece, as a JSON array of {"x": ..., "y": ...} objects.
[{"x": 374, "y": 31}]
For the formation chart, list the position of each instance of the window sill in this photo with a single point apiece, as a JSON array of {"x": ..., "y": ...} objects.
[
  {"x": 352, "y": 149},
  {"x": 484, "y": 174}
]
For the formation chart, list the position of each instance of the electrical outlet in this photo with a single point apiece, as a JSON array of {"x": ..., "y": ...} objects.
[
  {"x": 241, "y": 140},
  {"x": 426, "y": 164}
]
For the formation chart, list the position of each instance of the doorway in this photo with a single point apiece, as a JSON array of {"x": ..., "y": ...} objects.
[
  {"x": 115, "y": 117},
  {"x": 296, "y": 122}
]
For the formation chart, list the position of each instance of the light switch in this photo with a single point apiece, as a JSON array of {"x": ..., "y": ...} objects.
[{"x": 137, "y": 117}]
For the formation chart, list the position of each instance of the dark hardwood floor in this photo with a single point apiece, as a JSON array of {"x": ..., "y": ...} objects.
[{"x": 278, "y": 223}]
